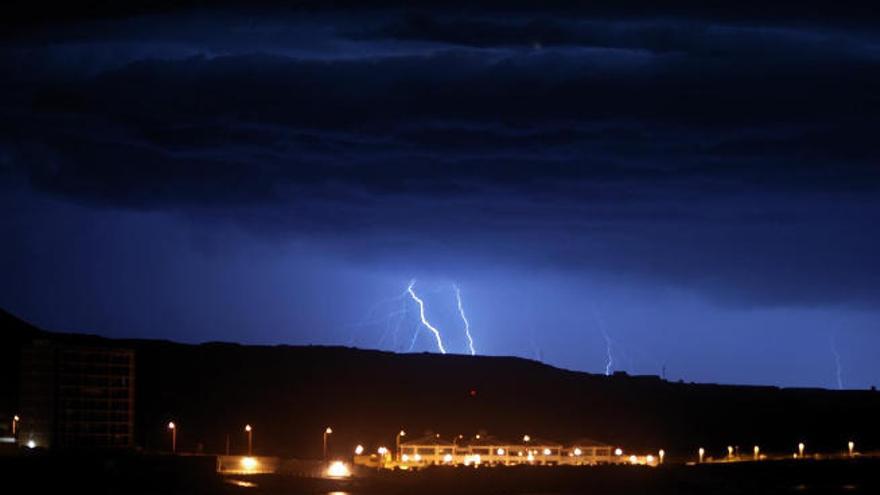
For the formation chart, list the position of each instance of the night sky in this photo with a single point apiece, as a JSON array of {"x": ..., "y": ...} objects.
[{"x": 696, "y": 188}]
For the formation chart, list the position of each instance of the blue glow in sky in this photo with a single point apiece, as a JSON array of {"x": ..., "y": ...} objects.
[{"x": 689, "y": 193}]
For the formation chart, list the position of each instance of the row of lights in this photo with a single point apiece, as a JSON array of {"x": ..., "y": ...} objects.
[
  {"x": 801, "y": 447},
  {"x": 359, "y": 450},
  {"x": 701, "y": 452}
]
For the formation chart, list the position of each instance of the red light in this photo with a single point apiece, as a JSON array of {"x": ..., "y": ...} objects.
[{"x": 473, "y": 392}]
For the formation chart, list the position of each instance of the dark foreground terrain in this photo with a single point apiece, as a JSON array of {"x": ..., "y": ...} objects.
[
  {"x": 133, "y": 474},
  {"x": 291, "y": 394}
]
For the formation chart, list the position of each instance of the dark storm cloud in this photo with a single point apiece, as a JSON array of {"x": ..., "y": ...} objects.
[{"x": 722, "y": 157}]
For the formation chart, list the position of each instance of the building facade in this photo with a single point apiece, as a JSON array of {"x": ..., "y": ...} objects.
[{"x": 77, "y": 397}]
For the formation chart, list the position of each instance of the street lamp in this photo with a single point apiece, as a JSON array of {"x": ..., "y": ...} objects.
[
  {"x": 250, "y": 434},
  {"x": 801, "y": 449},
  {"x": 662, "y": 454},
  {"x": 851, "y": 445},
  {"x": 729, "y": 451},
  {"x": 327, "y": 431},
  {"x": 400, "y": 433},
  {"x": 15, "y": 420},
  {"x": 757, "y": 452},
  {"x": 173, "y": 428},
  {"x": 701, "y": 452},
  {"x": 359, "y": 450},
  {"x": 526, "y": 438}
]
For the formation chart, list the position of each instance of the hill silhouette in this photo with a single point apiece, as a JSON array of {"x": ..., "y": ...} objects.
[{"x": 290, "y": 394}]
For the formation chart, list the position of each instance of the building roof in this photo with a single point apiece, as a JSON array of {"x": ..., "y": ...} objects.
[
  {"x": 587, "y": 442},
  {"x": 482, "y": 440},
  {"x": 428, "y": 440},
  {"x": 538, "y": 441},
  {"x": 489, "y": 440}
]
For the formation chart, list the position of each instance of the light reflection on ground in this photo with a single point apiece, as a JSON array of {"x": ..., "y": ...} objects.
[{"x": 242, "y": 483}]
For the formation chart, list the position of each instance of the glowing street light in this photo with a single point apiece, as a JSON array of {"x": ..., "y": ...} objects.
[
  {"x": 729, "y": 451},
  {"x": 851, "y": 445},
  {"x": 578, "y": 451},
  {"x": 757, "y": 452},
  {"x": 327, "y": 431},
  {"x": 15, "y": 420},
  {"x": 500, "y": 451},
  {"x": 801, "y": 447},
  {"x": 662, "y": 454},
  {"x": 618, "y": 452},
  {"x": 701, "y": 452},
  {"x": 527, "y": 438},
  {"x": 400, "y": 433},
  {"x": 250, "y": 434},
  {"x": 359, "y": 450},
  {"x": 173, "y": 429}
]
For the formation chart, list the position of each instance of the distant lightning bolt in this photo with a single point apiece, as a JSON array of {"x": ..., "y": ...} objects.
[
  {"x": 837, "y": 362},
  {"x": 608, "y": 342},
  {"x": 537, "y": 355},
  {"x": 422, "y": 316},
  {"x": 415, "y": 337},
  {"x": 467, "y": 325},
  {"x": 610, "y": 362}
]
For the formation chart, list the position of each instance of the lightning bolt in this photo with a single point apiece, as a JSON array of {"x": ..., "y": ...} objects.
[
  {"x": 610, "y": 357},
  {"x": 609, "y": 363},
  {"x": 837, "y": 362},
  {"x": 393, "y": 331},
  {"x": 371, "y": 318},
  {"x": 467, "y": 325},
  {"x": 425, "y": 322}
]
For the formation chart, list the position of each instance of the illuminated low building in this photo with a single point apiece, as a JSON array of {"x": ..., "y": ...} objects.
[
  {"x": 491, "y": 451},
  {"x": 427, "y": 450},
  {"x": 586, "y": 451}
]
